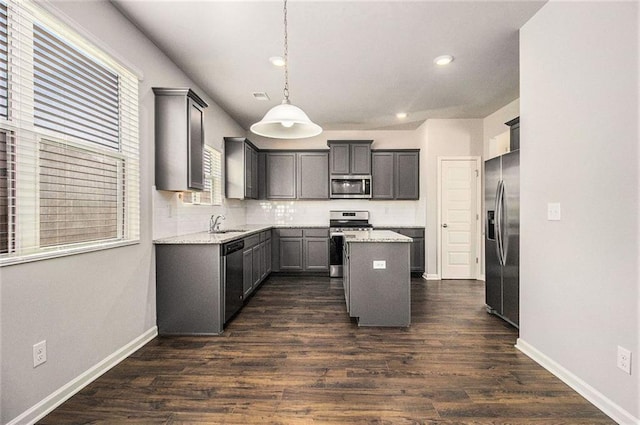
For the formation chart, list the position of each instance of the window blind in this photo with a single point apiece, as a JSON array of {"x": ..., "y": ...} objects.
[
  {"x": 72, "y": 144},
  {"x": 216, "y": 177},
  {"x": 73, "y": 93},
  {"x": 79, "y": 195},
  {"x": 4, "y": 93},
  {"x": 212, "y": 170},
  {"x": 5, "y": 192}
]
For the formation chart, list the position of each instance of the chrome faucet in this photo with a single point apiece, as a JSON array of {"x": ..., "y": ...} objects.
[{"x": 214, "y": 226}]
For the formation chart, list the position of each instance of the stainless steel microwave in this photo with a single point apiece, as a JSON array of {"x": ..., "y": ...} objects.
[{"x": 351, "y": 186}]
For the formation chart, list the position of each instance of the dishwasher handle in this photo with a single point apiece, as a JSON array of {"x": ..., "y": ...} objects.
[{"x": 231, "y": 247}]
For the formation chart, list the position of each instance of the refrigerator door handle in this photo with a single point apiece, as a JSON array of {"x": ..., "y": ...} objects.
[
  {"x": 499, "y": 213},
  {"x": 504, "y": 236}
]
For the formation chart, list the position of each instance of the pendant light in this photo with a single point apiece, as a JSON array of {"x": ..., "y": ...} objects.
[{"x": 286, "y": 121}]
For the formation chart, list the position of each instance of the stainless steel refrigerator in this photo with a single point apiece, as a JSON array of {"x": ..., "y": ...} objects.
[{"x": 502, "y": 236}]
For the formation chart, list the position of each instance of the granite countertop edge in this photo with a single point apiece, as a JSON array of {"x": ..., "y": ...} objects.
[
  {"x": 375, "y": 236},
  {"x": 243, "y": 231}
]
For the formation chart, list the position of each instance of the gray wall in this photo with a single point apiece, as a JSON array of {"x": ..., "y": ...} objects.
[
  {"x": 579, "y": 146},
  {"x": 90, "y": 305}
]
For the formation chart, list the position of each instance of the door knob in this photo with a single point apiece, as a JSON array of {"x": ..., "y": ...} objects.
[{"x": 445, "y": 225}]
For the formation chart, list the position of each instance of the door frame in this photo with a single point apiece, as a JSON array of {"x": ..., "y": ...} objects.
[{"x": 479, "y": 230}]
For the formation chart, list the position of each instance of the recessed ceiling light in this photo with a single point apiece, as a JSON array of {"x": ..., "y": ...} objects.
[
  {"x": 443, "y": 60},
  {"x": 277, "y": 60},
  {"x": 401, "y": 115},
  {"x": 261, "y": 95}
]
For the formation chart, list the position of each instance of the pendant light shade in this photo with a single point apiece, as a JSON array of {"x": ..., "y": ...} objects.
[{"x": 286, "y": 121}]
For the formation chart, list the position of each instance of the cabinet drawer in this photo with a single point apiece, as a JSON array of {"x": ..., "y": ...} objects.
[
  {"x": 316, "y": 233},
  {"x": 251, "y": 241},
  {"x": 290, "y": 233}
]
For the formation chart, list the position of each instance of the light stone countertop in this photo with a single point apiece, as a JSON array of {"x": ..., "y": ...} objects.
[
  {"x": 374, "y": 236},
  {"x": 239, "y": 232}
]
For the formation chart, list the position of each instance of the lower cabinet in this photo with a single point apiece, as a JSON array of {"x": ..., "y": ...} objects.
[
  {"x": 256, "y": 259},
  {"x": 316, "y": 250},
  {"x": 416, "y": 249},
  {"x": 301, "y": 250}
]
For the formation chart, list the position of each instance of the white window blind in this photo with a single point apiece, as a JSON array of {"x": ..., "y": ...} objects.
[
  {"x": 73, "y": 93},
  {"x": 79, "y": 195},
  {"x": 6, "y": 192},
  {"x": 212, "y": 192},
  {"x": 71, "y": 137},
  {"x": 4, "y": 93}
]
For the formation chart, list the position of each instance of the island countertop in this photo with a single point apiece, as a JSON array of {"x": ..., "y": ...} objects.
[{"x": 356, "y": 236}]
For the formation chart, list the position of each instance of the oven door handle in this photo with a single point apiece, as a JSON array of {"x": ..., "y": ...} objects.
[{"x": 332, "y": 234}]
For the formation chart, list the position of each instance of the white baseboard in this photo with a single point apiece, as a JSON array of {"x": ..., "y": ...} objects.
[
  {"x": 62, "y": 394},
  {"x": 596, "y": 398},
  {"x": 481, "y": 277},
  {"x": 431, "y": 276}
]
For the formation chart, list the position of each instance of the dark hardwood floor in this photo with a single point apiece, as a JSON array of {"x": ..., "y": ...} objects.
[{"x": 293, "y": 356}]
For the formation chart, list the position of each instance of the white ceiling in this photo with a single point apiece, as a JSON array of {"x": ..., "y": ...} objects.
[{"x": 352, "y": 64}]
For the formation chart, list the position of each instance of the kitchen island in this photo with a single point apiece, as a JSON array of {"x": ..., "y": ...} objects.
[{"x": 377, "y": 277}]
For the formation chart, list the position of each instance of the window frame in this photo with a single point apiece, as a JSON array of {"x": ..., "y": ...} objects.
[{"x": 20, "y": 127}]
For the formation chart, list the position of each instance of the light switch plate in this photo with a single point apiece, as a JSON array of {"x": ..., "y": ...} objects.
[
  {"x": 379, "y": 264},
  {"x": 553, "y": 211}
]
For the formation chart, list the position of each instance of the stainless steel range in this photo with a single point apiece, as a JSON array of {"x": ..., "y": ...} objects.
[{"x": 339, "y": 221}]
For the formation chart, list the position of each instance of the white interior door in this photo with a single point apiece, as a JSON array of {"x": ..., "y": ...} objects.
[{"x": 459, "y": 218}]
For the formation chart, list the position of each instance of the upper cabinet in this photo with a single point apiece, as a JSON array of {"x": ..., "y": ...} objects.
[
  {"x": 350, "y": 157},
  {"x": 242, "y": 168},
  {"x": 514, "y": 133},
  {"x": 179, "y": 128},
  {"x": 297, "y": 175},
  {"x": 395, "y": 174}
]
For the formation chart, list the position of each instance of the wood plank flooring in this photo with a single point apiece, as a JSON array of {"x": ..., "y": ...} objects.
[{"x": 293, "y": 356}]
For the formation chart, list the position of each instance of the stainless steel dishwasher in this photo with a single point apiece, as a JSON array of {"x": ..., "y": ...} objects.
[{"x": 233, "y": 274}]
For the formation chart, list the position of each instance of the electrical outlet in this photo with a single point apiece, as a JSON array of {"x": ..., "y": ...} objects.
[
  {"x": 624, "y": 359},
  {"x": 553, "y": 211},
  {"x": 379, "y": 264},
  {"x": 39, "y": 353}
]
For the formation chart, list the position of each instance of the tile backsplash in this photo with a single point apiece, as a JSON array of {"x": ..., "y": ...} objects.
[
  {"x": 382, "y": 213},
  {"x": 172, "y": 217}
]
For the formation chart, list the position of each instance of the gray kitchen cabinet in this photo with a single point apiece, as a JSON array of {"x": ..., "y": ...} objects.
[
  {"x": 189, "y": 289},
  {"x": 281, "y": 175},
  {"x": 262, "y": 175},
  {"x": 382, "y": 175},
  {"x": 297, "y": 175},
  {"x": 267, "y": 256},
  {"x": 340, "y": 158},
  {"x": 250, "y": 172},
  {"x": 313, "y": 175},
  {"x": 241, "y": 168},
  {"x": 350, "y": 157},
  {"x": 291, "y": 254},
  {"x": 247, "y": 271},
  {"x": 396, "y": 174},
  {"x": 251, "y": 264},
  {"x": 257, "y": 265},
  {"x": 407, "y": 174},
  {"x": 300, "y": 250},
  {"x": 179, "y": 139},
  {"x": 514, "y": 133},
  {"x": 316, "y": 250}
]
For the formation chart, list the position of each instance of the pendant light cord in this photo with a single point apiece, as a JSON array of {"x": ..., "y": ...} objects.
[{"x": 286, "y": 56}]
